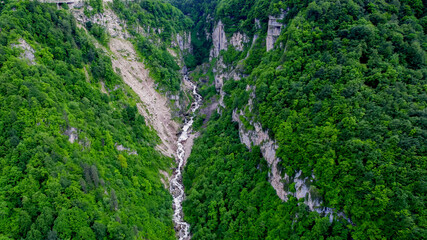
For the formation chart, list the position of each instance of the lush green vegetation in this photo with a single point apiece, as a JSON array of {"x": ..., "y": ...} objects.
[
  {"x": 153, "y": 15},
  {"x": 229, "y": 197},
  {"x": 51, "y": 188},
  {"x": 199, "y": 11},
  {"x": 99, "y": 32},
  {"x": 344, "y": 94},
  {"x": 160, "y": 22}
]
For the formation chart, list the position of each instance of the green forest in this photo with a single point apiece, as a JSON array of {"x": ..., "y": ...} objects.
[
  {"x": 161, "y": 22},
  {"x": 51, "y": 188},
  {"x": 343, "y": 94},
  {"x": 229, "y": 197}
]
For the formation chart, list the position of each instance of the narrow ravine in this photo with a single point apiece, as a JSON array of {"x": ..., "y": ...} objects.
[{"x": 182, "y": 228}]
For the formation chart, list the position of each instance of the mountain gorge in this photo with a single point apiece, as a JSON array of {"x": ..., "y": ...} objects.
[{"x": 313, "y": 123}]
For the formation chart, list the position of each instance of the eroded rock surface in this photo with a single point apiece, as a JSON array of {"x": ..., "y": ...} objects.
[
  {"x": 72, "y": 134},
  {"x": 28, "y": 53},
  {"x": 122, "y": 148},
  {"x": 274, "y": 29},
  {"x": 154, "y": 106},
  {"x": 108, "y": 19},
  {"x": 238, "y": 40},
  {"x": 219, "y": 40},
  {"x": 303, "y": 189},
  {"x": 183, "y": 41}
]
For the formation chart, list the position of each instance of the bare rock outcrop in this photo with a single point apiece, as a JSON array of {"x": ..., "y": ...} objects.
[
  {"x": 273, "y": 32},
  {"x": 153, "y": 106},
  {"x": 182, "y": 41},
  {"x": 274, "y": 29},
  {"x": 268, "y": 148},
  {"x": 303, "y": 189},
  {"x": 219, "y": 40},
  {"x": 238, "y": 40},
  {"x": 222, "y": 72},
  {"x": 121, "y": 148},
  {"x": 28, "y": 53},
  {"x": 108, "y": 19},
  {"x": 72, "y": 134}
]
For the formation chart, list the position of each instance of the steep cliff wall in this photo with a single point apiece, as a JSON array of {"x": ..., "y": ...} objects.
[
  {"x": 255, "y": 135},
  {"x": 219, "y": 40},
  {"x": 182, "y": 41},
  {"x": 274, "y": 29}
]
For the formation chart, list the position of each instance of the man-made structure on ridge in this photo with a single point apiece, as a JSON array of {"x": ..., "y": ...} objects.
[{"x": 274, "y": 29}]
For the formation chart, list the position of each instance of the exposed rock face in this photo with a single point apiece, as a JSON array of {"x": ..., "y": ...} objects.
[
  {"x": 257, "y": 24},
  {"x": 222, "y": 72},
  {"x": 183, "y": 41},
  {"x": 219, "y": 40},
  {"x": 181, "y": 44},
  {"x": 238, "y": 39},
  {"x": 154, "y": 106},
  {"x": 72, "y": 134},
  {"x": 274, "y": 30},
  {"x": 28, "y": 51},
  {"x": 108, "y": 19},
  {"x": 121, "y": 148},
  {"x": 268, "y": 148}
]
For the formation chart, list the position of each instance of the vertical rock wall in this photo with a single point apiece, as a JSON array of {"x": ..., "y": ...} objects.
[
  {"x": 303, "y": 188},
  {"x": 183, "y": 42},
  {"x": 219, "y": 40},
  {"x": 273, "y": 32}
]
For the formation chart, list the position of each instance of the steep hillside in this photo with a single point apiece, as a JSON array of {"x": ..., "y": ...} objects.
[
  {"x": 313, "y": 123},
  {"x": 334, "y": 95},
  {"x": 77, "y": 159}
]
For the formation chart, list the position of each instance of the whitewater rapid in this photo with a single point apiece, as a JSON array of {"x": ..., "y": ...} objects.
[{"x": 176, "y": 186}]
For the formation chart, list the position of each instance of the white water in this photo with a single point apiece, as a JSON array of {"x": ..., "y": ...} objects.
[{"x": 182, "y": 228}]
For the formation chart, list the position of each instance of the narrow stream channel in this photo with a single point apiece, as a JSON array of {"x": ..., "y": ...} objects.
[{"x": 182, "y": 228}]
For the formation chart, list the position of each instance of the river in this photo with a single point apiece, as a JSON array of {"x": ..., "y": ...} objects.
[{"x": 176, "y": 186}]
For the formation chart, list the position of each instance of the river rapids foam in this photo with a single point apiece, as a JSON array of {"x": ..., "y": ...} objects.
[{"x": 182, "y": 228}]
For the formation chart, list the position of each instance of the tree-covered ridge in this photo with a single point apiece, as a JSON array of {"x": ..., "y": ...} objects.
[
  {"x": 236, "y": 15},
  {"x": 347, "y": 101},
  {"x": 344, "y": 95},
  {"x": 51, "y": 188},
  {"x": 229, "y": 196},
  {"x": 153, "y": 15},
  {"x": 155, "y": 25}
]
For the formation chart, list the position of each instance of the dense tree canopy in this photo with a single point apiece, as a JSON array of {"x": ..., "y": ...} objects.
[
  {"x": 344, "y": 95},
  {"x": 51, "y": 188},
  {"x": 161, "y": 22}
]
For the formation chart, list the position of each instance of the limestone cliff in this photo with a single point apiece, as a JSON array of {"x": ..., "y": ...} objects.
[
  {"x": 280, "y": 182},
  {"x": 255, "y": 135},
  {"x": 183, "y": 42},
  {"x": 274, "y": 29},
  {"x": 219, "y": 40}
]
